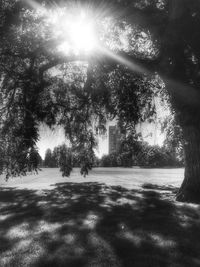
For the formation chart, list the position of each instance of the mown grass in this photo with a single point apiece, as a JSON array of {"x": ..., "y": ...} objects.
[{"x": 92, "y": 224}]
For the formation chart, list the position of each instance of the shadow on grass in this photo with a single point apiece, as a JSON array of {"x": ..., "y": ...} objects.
[{"x": 91, "y": 224}]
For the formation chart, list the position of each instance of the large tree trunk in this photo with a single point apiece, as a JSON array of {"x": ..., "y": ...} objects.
[
  {"x": 185, "y": 98},
  {"x": 186, "y": 102},
  {"x": 190, "y": 188}
]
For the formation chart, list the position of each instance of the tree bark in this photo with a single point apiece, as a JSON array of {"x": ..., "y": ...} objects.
[
  {"x": 186, "y": 102},
  {"x": 185, "y": 98},
  {"x": 190, "y": 188}
]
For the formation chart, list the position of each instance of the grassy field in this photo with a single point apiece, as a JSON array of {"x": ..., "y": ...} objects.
[
  {"x": 113, "y": 217},
  {"x": 125, "y": 177}
]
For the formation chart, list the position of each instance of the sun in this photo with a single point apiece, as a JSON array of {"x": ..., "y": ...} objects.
[
  {"x": 81, "y": 34},
  {"x": 76, "y": 30}
]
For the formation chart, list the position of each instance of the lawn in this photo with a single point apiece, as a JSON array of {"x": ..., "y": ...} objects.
[{"x": 114, "y": 217}]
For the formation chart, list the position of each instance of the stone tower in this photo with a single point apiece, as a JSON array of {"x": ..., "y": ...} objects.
[{"x": 114, "y": 139}]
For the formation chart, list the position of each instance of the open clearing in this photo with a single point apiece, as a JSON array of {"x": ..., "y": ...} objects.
[
  {"x": 113, "y": 217},
  {"x": 125, "y": 177}
]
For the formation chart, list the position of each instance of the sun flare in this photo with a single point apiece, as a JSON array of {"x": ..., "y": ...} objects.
[{"x": 76, "y": 31}]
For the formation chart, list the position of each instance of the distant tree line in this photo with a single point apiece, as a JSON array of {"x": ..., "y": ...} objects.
[
  {"x": 132, "y": 152},
  {"x": 147, "y": 156}
]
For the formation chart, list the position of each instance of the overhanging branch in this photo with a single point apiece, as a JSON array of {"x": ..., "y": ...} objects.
[{"x": 139, "y": 64}]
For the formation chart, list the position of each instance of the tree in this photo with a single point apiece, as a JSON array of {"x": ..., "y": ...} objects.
[
  {"x": 65, "y": 160},
  {"x": 61, "y": 157},
  {"x": 173, "y": 143},
  {"x": 35, "y": 160},
  {"x": 158, "y": 36},
  {"x": 110, "y": 160},
  {"x": 49, "y": 159}
]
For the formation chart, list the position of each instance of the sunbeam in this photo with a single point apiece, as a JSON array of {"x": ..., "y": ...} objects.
[{"x": 122, "y": 60}]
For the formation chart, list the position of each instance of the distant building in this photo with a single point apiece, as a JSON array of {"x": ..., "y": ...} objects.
[{"x": 114, "y": 139}]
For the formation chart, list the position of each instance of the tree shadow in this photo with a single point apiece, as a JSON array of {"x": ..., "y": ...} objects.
[{"x": 92, "y": 224}]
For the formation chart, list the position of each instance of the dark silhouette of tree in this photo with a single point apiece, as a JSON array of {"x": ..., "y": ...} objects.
[
  {"x": 35, "y": 160},
  {"x": 65, "y": 160},
  {"x": 49, "y": 160},
  {"x": 110, "y": 160}
]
